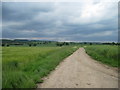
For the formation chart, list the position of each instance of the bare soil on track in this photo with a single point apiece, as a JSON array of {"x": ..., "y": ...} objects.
[{"x": 80, "y": 71}]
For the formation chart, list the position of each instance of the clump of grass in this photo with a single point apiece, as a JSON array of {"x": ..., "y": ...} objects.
[
  {"x": 104, "y": 53},
  {"x": 23, "y": 67},
  {"x": 14, "y": 79}
]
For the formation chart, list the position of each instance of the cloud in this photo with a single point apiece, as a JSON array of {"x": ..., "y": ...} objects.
[
  {"x": 67, "y": 21},
  {"x": 101, "y": 34}
]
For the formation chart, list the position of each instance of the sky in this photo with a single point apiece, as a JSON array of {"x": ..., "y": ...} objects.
[{"x": 60, "y": 21}]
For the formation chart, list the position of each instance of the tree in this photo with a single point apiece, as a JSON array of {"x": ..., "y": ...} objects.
[
  {"x": 59, "y": 44},
  {"x": 113, "y": 43},
  {"x": 3, "y": 44},
  {"x": 34, "y": 44},
  {"x": 30, "y": 45},
  {"x": 90, "y": 43},
  {"x": 67, "y": 43},
  {"x": 85, "y": 43},
  {"x": 7, "y": 45}
]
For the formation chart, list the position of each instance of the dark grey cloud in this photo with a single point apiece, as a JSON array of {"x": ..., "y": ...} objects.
[
  {"x": 60, "y": 21},
  {"x": 23, "y": 10}
]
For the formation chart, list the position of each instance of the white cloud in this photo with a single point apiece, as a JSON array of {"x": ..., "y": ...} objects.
[
  {"x": 101, "y": 34},
  {"x": 58, "y": 0},
  {"x": 82, "y": 12},
  {"x": 81, "y": 19},
  {"x": 93, "y": 13},
  {"x": 27, "y": 32},
  {"x": 7, "y": 24}
]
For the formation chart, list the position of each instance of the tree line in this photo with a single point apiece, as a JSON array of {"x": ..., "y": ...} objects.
[{"x": 31, "y": 43}]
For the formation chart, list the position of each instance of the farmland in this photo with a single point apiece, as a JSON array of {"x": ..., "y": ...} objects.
[
  {"x": 107, "y": 54},
  {"x": 25, "y": 63},
  {"x": 23, "y": 67}
]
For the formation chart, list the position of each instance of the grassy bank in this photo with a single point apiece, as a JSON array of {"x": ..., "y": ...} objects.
[
  {"x": 107, "y": 54},
  {"x": 23, "y": 67}
]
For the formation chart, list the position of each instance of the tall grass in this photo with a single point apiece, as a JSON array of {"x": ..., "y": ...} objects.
[
  {"x": 106, "y": 54},
  {"x": 23, "y": 67}
]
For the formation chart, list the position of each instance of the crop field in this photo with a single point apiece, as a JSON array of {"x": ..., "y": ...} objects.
[
  {"x": 24, "y": 67},
  {"x": 107, "y": 54}
]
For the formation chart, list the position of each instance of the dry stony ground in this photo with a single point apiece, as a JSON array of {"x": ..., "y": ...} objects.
[{"x": 80, "y": 71}]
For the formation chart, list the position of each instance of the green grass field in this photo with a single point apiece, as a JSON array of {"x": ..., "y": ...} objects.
[
  {"x": 107, "y": 54},
  {"x": 23, "y": 67}
]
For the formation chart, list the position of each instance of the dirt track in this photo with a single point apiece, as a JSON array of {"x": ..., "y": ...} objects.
[{"x": 80, "y": 71}]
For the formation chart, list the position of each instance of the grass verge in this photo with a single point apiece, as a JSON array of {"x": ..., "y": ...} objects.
[
  {"x": 104, "y": 53},
  {"x": 23, "y": 67}
]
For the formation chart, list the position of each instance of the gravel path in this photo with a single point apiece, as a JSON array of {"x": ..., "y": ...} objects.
[{"x": 80, "y": 71}]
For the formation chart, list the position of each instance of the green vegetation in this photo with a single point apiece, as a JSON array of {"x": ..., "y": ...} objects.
[
  {"x": 25, "y": 63},
  {"x": 33, "y": 43},
  {"x": 23, "y": 67},
  {"x": 107, "y": 54}
]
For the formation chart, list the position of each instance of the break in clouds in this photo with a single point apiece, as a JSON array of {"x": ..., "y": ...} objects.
[{"x": 78, "y": 21}]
